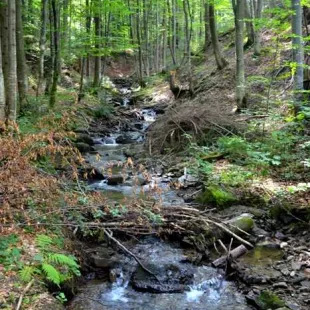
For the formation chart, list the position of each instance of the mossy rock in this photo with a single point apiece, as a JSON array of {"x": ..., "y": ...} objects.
[
  {"x": 268, "y": 300},
  {"x": 218, "y": 196},
  {"x": 243, "y": 222}
]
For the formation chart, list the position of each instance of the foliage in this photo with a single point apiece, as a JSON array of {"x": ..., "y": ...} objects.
[
  {"x": 268, "y": 300},
  {"x": 49, "y": 264},
  {"x": 10, "y": 254}
]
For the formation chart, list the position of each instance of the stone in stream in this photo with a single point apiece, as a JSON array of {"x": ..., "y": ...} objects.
[
  {"x": 128, "y": 137},
  {"x": 84, "y": 147},
  {"x": 115, "y": 180},
  {"x": 174, "y": 279},
  {"x": 85, "y": 138}
]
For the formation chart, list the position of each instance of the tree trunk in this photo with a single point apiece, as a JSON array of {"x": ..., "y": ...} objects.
[
  {"x": 257, "y": 35},
  {"x": 207, "y": 25},
  {"x": 249, "y": 24},
  {"x": 165, "y": 32},
  {"x": 238, "y": 6},
  {"x": 298, "y": 53},
  {"x": 2, "y": 90},
  {"x": 44, "y": 7},
  {"x": 21, "y": 58},
  {"x": 97, "y": 22},
  {"x": 88, "y": 25},
  {"x": 11, "y": 74},
  {"x": 56, "y": 63},
  {"x": 140, "y": 59},
  {"x": 220, "y": 61}
]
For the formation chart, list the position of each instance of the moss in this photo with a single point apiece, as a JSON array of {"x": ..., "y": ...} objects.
[
  {"x": 216, "y": 195},
  {"x": 268, "y": 300},
  {"x": 245, "y": 223}
]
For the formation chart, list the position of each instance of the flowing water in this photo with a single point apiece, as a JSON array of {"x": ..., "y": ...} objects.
[{"x": 185, "y": 286}]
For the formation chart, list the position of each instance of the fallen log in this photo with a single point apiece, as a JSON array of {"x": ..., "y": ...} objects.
[{"x": 235, "y": 253}]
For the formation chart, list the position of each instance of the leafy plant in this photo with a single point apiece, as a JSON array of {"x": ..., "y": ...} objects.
[
  {"x": 9, "y": 252},
  {"x": 50, "y": 265}
]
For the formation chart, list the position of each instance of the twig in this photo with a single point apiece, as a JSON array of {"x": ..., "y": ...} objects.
[
  {"x": 223, "y": 246},
  {"x": 21, "y": 297},
  {"x": 109, "y": 235},
  {"x": 230, "y": 232}
]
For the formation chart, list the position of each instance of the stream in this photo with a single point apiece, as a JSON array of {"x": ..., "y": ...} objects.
[{"x": 183, "y": 285}]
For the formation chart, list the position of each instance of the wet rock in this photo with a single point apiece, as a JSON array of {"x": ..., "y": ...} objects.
[
  {"x": 115, "y": 180},
  {"x": 244, "y": 222},
  {"x": 280, "y": 285},
  {"x": 296, "y": 265},
  {"x": 84, "y": 147},
  {"x": 128, "y": 137},
  {"x": 280, "y": 236},
  {"x": 173, "y": 278},
  {"x": 102, "y": 257},
  {"x": 305, "y": 283},
  {"x": 188, "y": 181},
  {"x": 138, "y": 126},
  {"x": 85, "y": 138}
]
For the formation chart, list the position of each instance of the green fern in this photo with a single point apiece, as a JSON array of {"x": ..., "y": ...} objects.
[
  {"x": 43, "y": 241},
  {"x": 26, "y": 273},
  {"x": 64, "y": 260},
  {"x": 51, "y": 273}
]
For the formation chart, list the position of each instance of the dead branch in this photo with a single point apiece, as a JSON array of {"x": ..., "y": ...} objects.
[
  {"x": 21, "y": 297},
  {"x": 235, "y": 253},
  {"x": 110, "y": 236}
]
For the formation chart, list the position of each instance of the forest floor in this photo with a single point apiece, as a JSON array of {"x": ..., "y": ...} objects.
[{"x": 258, "y": 157}]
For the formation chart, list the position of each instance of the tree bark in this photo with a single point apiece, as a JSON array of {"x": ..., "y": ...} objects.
[
  {"x": 220, "y": 61},
  {"x": 298, "y": 53},
  {"x": 249, "y": 24},
  {"x": 11, "y": 74},
  {"x": 207, "y": 25},
  {"x": 44, "y": 8},
  {"x": 257, "y": 34},
  {"x": 21, "y": 57},
  {"x": 56, "y": 43},
  {"x": 238, "y": 6},
  {"x": 2, "y": 90},
  {"x": 97, "y": 21}
]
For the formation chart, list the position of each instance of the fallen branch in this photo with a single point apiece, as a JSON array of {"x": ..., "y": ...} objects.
[
  {"x": 230, "y": 232},
  {"x": 21, "y": 297},
  {"x": 110, "y": 236},
  {"x": 235, "y": 253}
]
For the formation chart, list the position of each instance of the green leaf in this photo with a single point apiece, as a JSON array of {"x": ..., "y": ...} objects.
[
  {"x": 26, "y": 273},
  {"x": 51, "y": 273}
]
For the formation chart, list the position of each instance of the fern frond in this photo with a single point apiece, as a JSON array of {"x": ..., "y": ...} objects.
[
  {"x": 62, "y": 259},
  {"x": 51, "y": 273},
  {"x": 26, "y": 273},
  {"x": 43, "y": 241}
]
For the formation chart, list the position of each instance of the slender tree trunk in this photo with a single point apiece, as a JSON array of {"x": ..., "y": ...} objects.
[
  {"x": 140, "y": 58},
  {"x": 81, "y": 89},
  {"x": 207, "y": 25},
  {"x": 165, "y": 32},
  {"x": 44, "y": 9},
  {"x": 2, "y": 90},
  {"x": 238, "y": 6},
  {"x": 21, "y": 57},
  {"x": 249, "y": 24},
  {"x": 258, "y": 9},
  {"x": 11, "y": 74},
  {"x": 298, "y": 53},
  {"x": 97, "y": 22},
  {"x": 56, "y": 43},
  {"x": 220, "y": 61},
  {"x": 146, "y": 38},
  {"x": 88, "y": 25}
]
